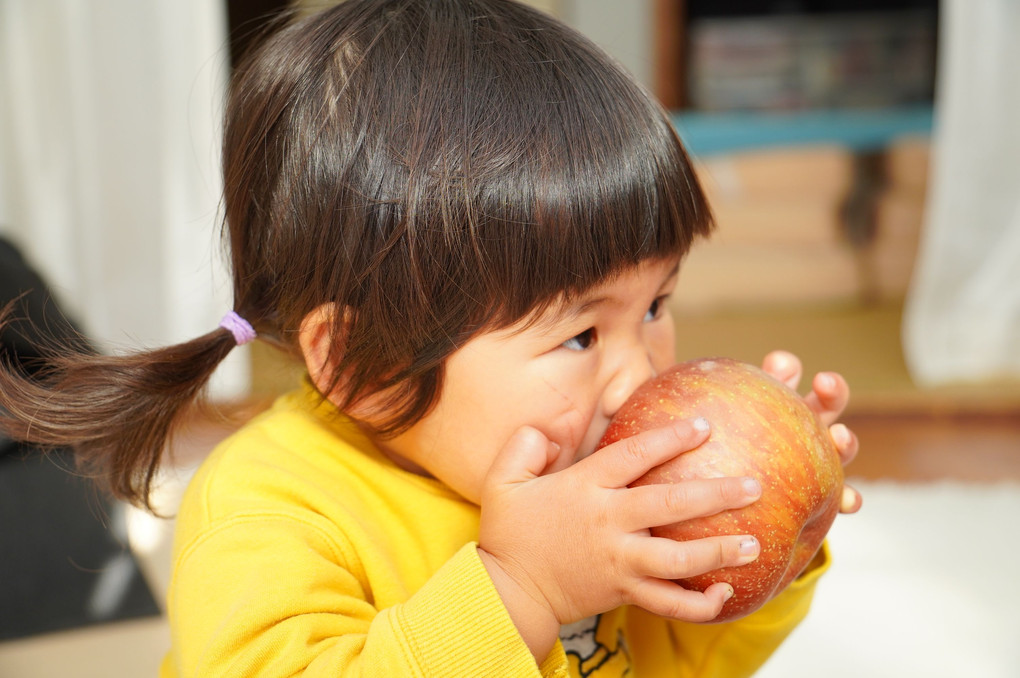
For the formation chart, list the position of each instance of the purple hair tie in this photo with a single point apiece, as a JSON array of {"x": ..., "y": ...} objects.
[{"x": 241, "y": 329}]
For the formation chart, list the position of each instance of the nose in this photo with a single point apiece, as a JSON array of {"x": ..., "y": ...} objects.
[{"x": 635, "y": 369}]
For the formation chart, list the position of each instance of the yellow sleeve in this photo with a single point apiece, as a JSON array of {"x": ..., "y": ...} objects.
[
  {"x": 740, "y": 647},
  {"x": 273, "y": 595},
  {"x": 459, "y": 627}
]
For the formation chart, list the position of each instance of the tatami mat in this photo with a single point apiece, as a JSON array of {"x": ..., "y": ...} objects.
[{"x": 861, "y": 341}]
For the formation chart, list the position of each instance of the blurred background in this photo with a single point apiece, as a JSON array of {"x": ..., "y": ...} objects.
[{"x": 863, "y": 163}]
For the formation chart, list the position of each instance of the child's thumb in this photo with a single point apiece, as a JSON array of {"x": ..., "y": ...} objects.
[{"x": 524, "y": 457}]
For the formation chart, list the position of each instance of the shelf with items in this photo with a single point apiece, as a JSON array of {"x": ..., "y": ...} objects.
[
  {"x": 808, "y": 124},
  {"x": 860, "y": 130},
  {"x": 770, "y": 55}
]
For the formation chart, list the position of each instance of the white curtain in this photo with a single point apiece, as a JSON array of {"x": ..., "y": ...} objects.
[
  {"x": 962, "y": 320},
  {"x": 109, "y": 164}
]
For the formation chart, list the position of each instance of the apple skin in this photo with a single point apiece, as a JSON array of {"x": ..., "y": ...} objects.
[{"x": 760, "y": 428}]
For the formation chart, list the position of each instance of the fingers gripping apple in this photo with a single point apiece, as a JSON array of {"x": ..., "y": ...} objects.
[{"x": 760, "y": 428}]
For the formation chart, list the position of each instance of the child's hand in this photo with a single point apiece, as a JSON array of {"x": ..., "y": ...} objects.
[
  {"x": 828, "y": 398},
  {"x": 574, "y": 543}
]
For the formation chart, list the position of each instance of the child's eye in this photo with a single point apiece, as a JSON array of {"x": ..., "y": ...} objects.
[
  {"x": 655, "y": 310},
  {"x": 582, "y": 341}
]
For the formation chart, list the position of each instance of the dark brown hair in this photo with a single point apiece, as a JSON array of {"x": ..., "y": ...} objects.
[{"x": 431, "y": 167}]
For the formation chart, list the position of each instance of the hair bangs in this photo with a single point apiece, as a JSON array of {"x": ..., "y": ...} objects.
[{"x": 593, "y": 181}]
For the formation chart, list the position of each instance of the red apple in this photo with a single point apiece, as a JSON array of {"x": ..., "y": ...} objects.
[{"x": 760, "y": 428}]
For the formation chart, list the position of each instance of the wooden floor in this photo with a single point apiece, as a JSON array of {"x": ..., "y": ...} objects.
[{"x": 968, "y": 447}]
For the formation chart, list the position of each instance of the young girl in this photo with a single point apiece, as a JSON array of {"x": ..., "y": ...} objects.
[{"x": 466, "y": 220}]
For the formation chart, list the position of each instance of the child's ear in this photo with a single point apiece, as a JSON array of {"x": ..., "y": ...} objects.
[{"x": 319, "y": 329}]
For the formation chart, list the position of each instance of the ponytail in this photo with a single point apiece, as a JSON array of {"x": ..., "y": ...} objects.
[{"x": 118, "y": 413}]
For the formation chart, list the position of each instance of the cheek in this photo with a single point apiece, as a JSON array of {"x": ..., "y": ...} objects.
[
  {"x": 569, "y": 431},
  {"x": 578, "y": 427},
  {"x": 561, "y": 406}
]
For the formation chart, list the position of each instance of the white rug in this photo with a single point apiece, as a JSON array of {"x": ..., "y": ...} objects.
[{"x": 925, "y": 581}]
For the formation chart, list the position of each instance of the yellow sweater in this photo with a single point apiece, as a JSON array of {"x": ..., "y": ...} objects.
[{"x": 300, "y": 549}]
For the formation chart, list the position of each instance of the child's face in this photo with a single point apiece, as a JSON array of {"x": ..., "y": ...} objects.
[{"x": 565, "y": 375}]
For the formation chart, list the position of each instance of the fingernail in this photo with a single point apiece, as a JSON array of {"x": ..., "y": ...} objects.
[
  {"x": 840, "y": 434},
  {"x": 752, "y": 487},
  {"x": 749, "y": 546},
  {"x": 728, "y": 593},
  {"x": 700, "y": 424},
  {"x": 850, "y": 502},
  {"x": 826, "y": 381}
]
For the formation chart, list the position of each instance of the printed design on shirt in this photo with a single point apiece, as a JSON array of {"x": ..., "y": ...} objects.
[{"x": 596, "y": 647}]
